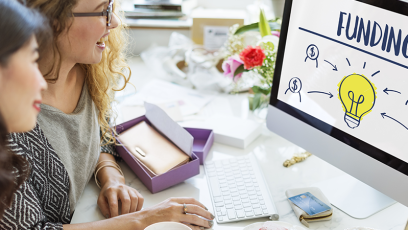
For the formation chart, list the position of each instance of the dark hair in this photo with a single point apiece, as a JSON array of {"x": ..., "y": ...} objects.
[{"x": 17, "y": 25}]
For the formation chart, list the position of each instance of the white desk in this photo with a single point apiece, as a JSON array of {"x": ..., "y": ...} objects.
[{"x": 271, "y": 151}]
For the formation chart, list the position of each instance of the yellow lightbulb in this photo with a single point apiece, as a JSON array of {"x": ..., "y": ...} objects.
[{"x": 358, "y": 96}]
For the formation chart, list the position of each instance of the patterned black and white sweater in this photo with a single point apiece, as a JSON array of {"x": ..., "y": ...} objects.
[{"x": 42, "y": 202}]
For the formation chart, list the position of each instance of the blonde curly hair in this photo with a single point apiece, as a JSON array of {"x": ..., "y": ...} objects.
[{"x": 102, "y": 78}]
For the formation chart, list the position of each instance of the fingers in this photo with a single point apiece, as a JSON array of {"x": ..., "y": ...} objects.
[
  {"x": 193, "y": 219},
  {"x": 140, "y": 201},
  {"x": 194, "y": 209},
  {"x": 189, "y": 201},
  {"x": 103, "y": 206},
  {"x": 134, "y": 201},
  {"x": 125, "y": 200},
  {"x": 113, "y": 204}
]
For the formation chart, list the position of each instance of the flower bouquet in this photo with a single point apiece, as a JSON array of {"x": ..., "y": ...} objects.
[{"x": 258, "y": 57}]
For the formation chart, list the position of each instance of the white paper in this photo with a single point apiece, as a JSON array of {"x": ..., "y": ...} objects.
[
  {"x": 215, "y": 36},
  {"x": 162, "y": 122},
  {"x": 159, "y": 92}
]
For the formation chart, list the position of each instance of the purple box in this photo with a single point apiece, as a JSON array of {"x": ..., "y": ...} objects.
[
  {"x": 158, "y": 183},
  {"x": 203, "y": 141}
]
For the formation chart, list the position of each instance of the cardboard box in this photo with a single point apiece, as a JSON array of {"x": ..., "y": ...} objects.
[
  {"x": 214, "y": 17},
  {"x": 201, "y": 142}
]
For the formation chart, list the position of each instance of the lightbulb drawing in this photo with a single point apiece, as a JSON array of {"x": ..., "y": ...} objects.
[{"x": 358, "y": 96}]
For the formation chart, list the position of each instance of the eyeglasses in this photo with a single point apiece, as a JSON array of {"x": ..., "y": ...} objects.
[{"x": 108, "y": 13}]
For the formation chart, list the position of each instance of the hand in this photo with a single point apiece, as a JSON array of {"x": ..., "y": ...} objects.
[
  {"x": 113, "y": 192},
  {"x": 173, "y": 210}
]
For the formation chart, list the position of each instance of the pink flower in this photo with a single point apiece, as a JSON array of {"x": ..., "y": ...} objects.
[
  {"x": 231, "y": 65},
  {"x": 276, "y": 33}
]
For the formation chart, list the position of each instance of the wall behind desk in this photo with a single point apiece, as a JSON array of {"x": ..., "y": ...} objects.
[{"x": 143, "y": 38}]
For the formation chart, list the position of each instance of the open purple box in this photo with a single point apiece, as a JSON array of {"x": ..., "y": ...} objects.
[{"x": 203, "y": 140}]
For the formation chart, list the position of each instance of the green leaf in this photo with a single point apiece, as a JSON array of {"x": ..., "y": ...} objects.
[
  {"x": 239, "y": 70},
  {"x": 255, "y": 27},
  {"x": 256, "y": 102},
  {"x": 263, "y": 24},
  {"x": 259, "y": 90}
]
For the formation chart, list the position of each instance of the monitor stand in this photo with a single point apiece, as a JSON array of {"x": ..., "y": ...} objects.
[{"x": 353, "y": 197}]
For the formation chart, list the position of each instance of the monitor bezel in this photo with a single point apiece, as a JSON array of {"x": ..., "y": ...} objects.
[{"x": 397, "y": 164}]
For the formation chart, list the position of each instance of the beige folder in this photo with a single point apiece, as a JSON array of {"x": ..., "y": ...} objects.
[{"x": 155, "y": 152}]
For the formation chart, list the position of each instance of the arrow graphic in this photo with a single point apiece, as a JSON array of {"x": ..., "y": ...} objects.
[
  {"x": 384, "y": 115},
  {"x": 334, "y": 66},
  {"x": 386, "y": 90},
  {"x": 331, "y": 95}
]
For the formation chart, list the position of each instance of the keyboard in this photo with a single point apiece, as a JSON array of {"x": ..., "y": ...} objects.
[{"x": 238, "y": 190}]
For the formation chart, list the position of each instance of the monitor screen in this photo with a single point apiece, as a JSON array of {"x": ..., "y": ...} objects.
[{"x": 342, "y": 67}]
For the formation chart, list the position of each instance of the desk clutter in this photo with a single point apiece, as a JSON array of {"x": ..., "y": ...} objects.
[
  {"x": 147, "y": 158},
  {"x": 309, "y": 205}
]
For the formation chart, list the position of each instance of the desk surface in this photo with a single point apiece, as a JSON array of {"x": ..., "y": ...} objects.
[{"x": 270, "y": 151}]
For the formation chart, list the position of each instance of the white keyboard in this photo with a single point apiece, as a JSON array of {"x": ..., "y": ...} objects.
[{"x": 238, "y": 190}]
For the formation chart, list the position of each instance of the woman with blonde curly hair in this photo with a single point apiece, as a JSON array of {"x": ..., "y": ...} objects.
[{"x": 72, "y": 138}]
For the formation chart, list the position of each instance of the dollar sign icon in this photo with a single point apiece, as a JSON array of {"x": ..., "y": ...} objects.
[
  {"x": 295, "y": 87},
  {"x": 312, "y": 54}
]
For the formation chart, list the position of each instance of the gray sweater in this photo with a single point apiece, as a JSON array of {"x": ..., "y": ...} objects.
[{"x": 75, "y": 138}]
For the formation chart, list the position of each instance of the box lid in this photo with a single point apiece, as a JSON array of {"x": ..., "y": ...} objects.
[{"x": 169, "y": 128}]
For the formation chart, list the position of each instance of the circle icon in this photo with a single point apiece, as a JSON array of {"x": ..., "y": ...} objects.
[
  {"x": 295, "y": 85},
  {"x": 312, "y": 52}
]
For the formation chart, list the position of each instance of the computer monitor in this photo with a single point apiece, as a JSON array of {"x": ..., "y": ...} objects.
[{"x": 340, "y": 91}]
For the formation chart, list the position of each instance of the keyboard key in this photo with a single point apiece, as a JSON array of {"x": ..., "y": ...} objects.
[
  {"x": 220, "y": 218},
  {"x": 247, "y": 205},
  {"x": 249, "y": 214},
  {"x": 226, "y": 193},
  {"x": 223, "y": 211},
  {"x": 243, "y": 191},
  {"x": 231, "y": 214},
  {"x": 225, "y": 189},
  {"x": 245, "y": 200},
  {"x": 240, "y": 213},
  {"x": 256, "y": 206},
  {"x": 248, "y": 209},
  {"x": 234, "y": 190},
  {"x": 266, "y": 211},
  {"x": 259, "y": 193},
  {"x": 218, "y": 209},
  {"x": 240, "y": 183},
  {"x": 219, "y": 213},
  {"x": 228, "y": 201},
  {"x": 238, "y": 207},
  {"x": 252, "y": 193},
  {"x": 237, "y": 203},
  {"x": 258, "y": 212},
  {"x": 236, "y": 198},
  {"x": 234, "y": 194},
  {"x": 241, "y": 188},
  {"x": 227, "y": 197},
  {"x": 262, "y": 202},
  {"x": 218, "y": 199},
  {"x": 254, "y": 202},
  {"x": 246, "y": 176},
  {"x": 215, "y": 187},
  {"x": 229, "y": 206},
  {"x": 264, "y": 207},
  {"x": 250, "y": 188},
  {"x": 253, "y": 197},
  {"x": 221, "y": 204},
  {"x": 223, "y": 185},
  {"x": 243, "y": 196}
]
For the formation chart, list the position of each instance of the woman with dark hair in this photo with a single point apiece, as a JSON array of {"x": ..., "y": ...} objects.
[{"x": 21, "y": 83}]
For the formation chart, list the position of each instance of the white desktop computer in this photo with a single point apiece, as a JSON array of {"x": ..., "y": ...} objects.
[{"x": 340, "y": 91}]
